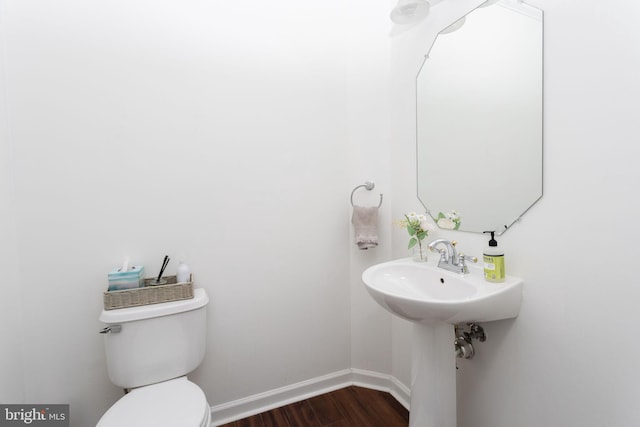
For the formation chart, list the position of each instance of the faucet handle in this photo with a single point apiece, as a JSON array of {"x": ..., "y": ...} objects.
[
  {"x": 464, "y": 258},
  {"x": 462, "y": 265}
]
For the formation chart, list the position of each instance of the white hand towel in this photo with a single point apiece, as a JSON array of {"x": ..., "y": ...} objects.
[{"x": 365, "y": 226}]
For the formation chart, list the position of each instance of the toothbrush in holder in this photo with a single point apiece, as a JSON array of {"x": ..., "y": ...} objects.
[{"x": 159, "y": 280}]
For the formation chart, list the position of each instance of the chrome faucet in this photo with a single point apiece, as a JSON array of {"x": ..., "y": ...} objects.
[{"x": 450, "y": 259}]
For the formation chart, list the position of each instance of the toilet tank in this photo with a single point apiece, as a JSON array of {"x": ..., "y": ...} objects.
[{"x": 157, "y": 342}]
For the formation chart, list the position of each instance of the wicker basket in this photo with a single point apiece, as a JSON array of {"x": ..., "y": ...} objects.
[{"x": 150, "y": 294}]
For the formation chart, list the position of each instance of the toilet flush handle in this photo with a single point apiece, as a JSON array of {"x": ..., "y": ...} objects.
[{"x": 111, "y": 329}]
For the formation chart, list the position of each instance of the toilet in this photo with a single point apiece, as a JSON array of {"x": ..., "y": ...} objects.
[{"x": 150, "y": 349}]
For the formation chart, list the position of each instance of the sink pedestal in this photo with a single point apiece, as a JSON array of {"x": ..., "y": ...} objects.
[{"x": 433, "y": 376}]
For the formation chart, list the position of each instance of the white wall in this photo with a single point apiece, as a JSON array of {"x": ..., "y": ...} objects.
[
  {"x": 11, "y": 324},
  {"x": 210, "y": 130},
  {"x": 368, "y": 88},
  {"x": 567, "y": 359}
]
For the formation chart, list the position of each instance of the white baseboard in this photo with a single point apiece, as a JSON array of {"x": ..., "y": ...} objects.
[
  {"x": 245, "y": 407},
  {"x": 382, "y": 382}
]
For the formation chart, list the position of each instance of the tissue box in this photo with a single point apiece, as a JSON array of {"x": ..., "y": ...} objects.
[{"x": 134, "y": 278}]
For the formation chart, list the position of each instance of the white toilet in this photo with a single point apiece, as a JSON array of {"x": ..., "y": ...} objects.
[{"x": 149, "y": 351}]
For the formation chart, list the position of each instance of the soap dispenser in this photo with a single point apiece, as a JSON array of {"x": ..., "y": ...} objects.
[
  {"x": 493, "y": 261},
  {"x": 183, "y": 273}
]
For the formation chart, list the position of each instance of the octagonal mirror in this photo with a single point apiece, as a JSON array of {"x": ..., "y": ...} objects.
[{"x": 479, "y": 119}]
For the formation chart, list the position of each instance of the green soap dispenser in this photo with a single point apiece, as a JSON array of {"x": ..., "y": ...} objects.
[{"x": 493, "y": 261}]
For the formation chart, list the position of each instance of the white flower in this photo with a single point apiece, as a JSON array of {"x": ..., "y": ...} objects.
[
  {"x": 453, "y": 215},
  {"x": 425, "y": 224},
  {"x": 446, "y": 223},
  {"x": 412, "y": 216}
]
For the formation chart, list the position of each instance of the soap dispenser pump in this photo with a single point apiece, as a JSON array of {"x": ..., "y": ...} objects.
[{"x": 493, "y": 261}]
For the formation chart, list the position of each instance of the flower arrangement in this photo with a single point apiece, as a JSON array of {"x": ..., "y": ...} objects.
[
  {"x": 418, "y": 227},
  {"x": 448, "y": 220}
]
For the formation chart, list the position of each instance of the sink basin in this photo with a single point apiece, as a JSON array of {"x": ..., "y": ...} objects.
[
  {"x": 421, "y": 292},
  {"x": 436, "y": 299}
]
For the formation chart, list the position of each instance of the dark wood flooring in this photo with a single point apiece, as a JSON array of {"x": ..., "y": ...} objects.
[{"x": 348, "y": 407}]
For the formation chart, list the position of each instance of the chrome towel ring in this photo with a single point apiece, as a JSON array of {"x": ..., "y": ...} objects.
[{"x": 368, "y": 185}]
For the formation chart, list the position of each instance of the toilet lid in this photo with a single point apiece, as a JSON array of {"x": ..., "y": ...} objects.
[{"x": 177, "y": 402}]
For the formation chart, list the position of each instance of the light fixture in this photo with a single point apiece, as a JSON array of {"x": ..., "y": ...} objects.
[{"x": 409, "y": 11}]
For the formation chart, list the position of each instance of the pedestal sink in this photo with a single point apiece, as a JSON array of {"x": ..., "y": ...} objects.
[{"x": 435, "y": 300}]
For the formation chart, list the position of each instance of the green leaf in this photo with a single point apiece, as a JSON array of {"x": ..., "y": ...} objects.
[
  {"x": 411, "y": 229},
  {"x": 412, "y": 242},
  {"x": 421, "y": 235}
]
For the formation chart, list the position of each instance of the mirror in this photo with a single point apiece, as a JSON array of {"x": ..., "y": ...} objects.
[{"x": 479, "y": 119}]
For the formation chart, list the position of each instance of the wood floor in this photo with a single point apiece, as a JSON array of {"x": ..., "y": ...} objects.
[{"x": 348, "y": 407}]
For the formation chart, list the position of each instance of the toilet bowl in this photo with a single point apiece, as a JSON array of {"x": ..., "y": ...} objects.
[{"x": 173, "y": 403}]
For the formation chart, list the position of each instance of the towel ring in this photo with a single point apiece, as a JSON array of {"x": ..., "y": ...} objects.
[{"x": 369, "y": 186}]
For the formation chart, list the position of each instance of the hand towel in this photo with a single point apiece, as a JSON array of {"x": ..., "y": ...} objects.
[{"x": 365, "y": 226}]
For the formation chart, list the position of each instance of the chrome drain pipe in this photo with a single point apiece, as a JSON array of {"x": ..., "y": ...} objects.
[{"x": 465, "y": 334}]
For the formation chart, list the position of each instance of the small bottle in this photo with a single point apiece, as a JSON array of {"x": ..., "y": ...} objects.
[
  {"x": 493, "y": 261},
  {"x": 183, "y": 273}
]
